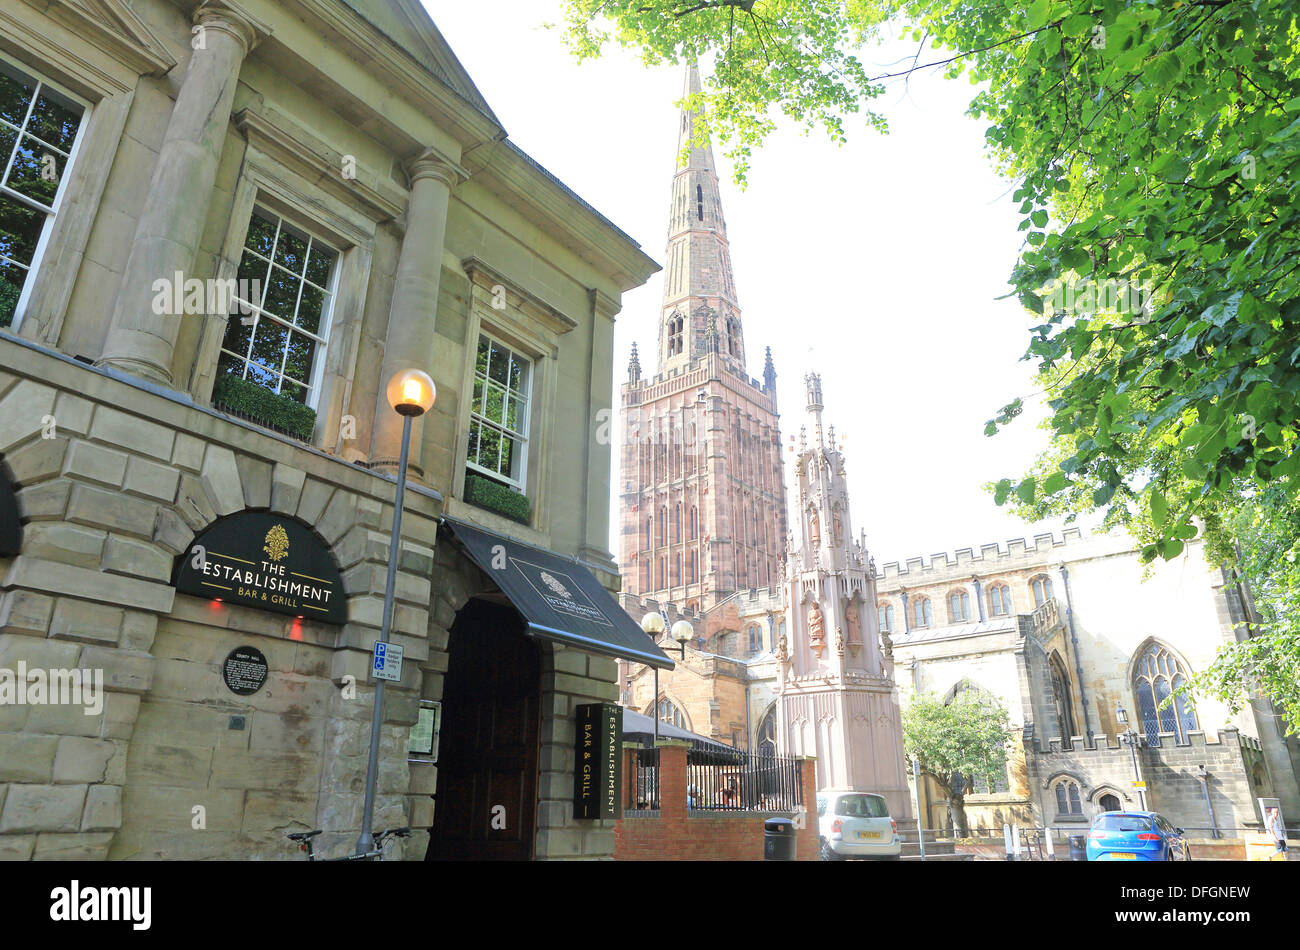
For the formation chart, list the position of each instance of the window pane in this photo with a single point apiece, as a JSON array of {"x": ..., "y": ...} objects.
[
  {"x": 300, "y": 357},
  {"x": 269, "y": 341},
  {"x": 489, "y": 449},
  {"x": 1076, "y": 807},
  {"x": 499, "y": 364},
  {"x": 1061, "y": 806},
  {"x": 515, "y": 421},
  {"x": 228, "y": 365},
  {"x": 237, "y": 336},
  {"x": 319, "y": 264},
  {"x": 508, "y": 456},
  {"x": 494, "y": 404},
  {"x": 1168, "y": 721},
  {"x": 481, "y": 361},
  {"x": 36, "y": 172},
  {"x": 11, "y": 285},
  {"x": 518, "y": 373},
  {"x": 261, "y": 235},
  {"x": 310, "y": 308},
  {"x": 1150, "y": 725},
  {"x": 281, "y": 294},
  {"x": 290, "y": 251},
  {"x": 15, "y": 95},
  {"x": 472, "y": 452},
  {"x": 20, "y": 229},
  {"x": 293, "y": 391},
  {"x": 55, "y": 119}
]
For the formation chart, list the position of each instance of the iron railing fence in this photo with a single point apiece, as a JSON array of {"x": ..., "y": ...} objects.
[
  {"x": 643, "y": 788},
  {"x": 741, "y": 781}
]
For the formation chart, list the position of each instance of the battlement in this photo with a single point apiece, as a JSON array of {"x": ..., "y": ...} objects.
[
  {"x": 991, "y": 557},
  {"x": 637, "y": 607},
  {"x": 1100, "y": 743}
]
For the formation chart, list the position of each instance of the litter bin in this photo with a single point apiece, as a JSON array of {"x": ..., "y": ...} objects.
[
  {"x": 1078, "y": 847},
  {"x": 779, "y": 839}
]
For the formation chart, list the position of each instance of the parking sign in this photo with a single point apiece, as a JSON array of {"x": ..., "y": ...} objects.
[{"x": 386, "y": 662}]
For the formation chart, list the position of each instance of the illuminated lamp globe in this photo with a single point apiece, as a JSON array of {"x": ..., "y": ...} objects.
[
  {"x": 411, "y": 392},
  {"x": 683, "y": 632},
  {"x": 653, "y": 624}
]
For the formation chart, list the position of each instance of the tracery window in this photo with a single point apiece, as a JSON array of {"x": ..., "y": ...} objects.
[
  {"x": 959, "y": 606},
  {"x": 922, "y": 612},
  {"x": 886, "y": 614},
  {"x": 1157, "y": 675},
  {"x": 1068, "y": 801},
  {"x": 1042, "y": 588},
  {"x": 999, "y": 600}
]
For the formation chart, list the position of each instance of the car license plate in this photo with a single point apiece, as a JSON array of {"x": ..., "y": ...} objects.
[
  {"x": 1123, "y": 855},
  {"x": 868, "y": 834}
]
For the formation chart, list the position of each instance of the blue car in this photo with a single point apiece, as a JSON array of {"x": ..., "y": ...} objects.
[{"x": 1135, "y": 836}]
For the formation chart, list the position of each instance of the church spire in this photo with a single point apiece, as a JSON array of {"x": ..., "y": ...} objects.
[{"x": 698, "y": 283}]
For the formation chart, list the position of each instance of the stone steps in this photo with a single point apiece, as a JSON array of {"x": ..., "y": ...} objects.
[{"x": 947, "y": 856}]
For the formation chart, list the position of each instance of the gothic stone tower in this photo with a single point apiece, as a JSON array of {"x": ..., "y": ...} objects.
[
  {"x": 835, "y": 684},
  {"x": 703, "y": 498}
]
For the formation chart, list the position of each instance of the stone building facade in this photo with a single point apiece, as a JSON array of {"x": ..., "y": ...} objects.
[
  {"x": 1063, "y": 632},
  {"x": 338, "y": 154}
]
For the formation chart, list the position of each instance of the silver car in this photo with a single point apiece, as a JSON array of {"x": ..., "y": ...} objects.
[{"x": 856, "y": 825}]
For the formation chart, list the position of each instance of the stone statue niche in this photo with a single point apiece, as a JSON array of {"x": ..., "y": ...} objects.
[{"x": 816, "y": 629}]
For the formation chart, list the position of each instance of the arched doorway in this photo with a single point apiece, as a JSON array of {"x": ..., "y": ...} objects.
[
  {"x": 485, "y": 807},
  {"x": 1108, "y": 802}
]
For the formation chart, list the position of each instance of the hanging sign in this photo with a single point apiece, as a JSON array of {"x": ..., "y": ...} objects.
[
  {"x": 264, "y": 560},
  {"x": 597, "y": 772}
]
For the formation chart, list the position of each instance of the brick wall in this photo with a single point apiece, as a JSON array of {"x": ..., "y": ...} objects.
[{"x": 682, "y": 836}]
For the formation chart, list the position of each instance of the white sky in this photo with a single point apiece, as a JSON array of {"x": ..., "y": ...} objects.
[{"x": 876, "y": 263}]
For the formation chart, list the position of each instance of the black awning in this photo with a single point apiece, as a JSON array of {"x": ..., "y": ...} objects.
[
  {"x": 557, "y": 596},
  {"x": 11, "y": 529}
]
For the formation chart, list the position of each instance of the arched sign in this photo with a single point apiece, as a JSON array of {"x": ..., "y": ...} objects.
[
  {"x": 11, "y": 529},
  {"x": 268, "y": 561}
]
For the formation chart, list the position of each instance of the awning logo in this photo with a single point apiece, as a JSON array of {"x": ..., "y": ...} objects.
[
  {"x": 277, "y": 543},
  {"x": 556, "y": 586}
]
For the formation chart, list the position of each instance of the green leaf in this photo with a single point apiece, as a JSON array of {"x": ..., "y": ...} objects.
[
  {"x": 1159, "y": 509},
  {"x": 1026, "y": 489}
]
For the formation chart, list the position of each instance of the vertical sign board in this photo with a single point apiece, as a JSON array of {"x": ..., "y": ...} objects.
[
  {"x": 11, "y": 529},
  {"x": 597, "y": 770}
]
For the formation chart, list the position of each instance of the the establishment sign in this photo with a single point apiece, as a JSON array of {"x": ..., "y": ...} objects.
[
  {"x": 598, "y": 772},
  {"x": 11, "y": 530},
  {"x": 264, "y": 560}
]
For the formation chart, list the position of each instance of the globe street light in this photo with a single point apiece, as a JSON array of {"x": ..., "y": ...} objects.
[
  {"x": 654, "y": 624},
  {"x": 411, "y": 393}
]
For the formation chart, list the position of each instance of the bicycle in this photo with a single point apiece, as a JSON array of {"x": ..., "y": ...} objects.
[{"x": 377, "y": 854}]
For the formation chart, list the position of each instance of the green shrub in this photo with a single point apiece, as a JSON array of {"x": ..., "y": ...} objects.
[
  {"x": 496, "y": 497},
  {"x": 260, "y": 405}
]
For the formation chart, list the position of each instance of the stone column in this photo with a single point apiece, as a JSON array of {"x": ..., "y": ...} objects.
[
  {"x": 167, "y": 234},
  {"x": 414, "y": 307}
]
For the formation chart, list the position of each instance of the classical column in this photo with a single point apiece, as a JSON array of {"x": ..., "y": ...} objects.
[
  {"x": 167, "y": 234},
  {"x": 414, "y": 307}
]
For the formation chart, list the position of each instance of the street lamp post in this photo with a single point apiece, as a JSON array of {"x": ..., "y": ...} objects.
[
  {"x": 411, "y": 394},
  {"x": 653, "y": 624},
  {"x": 1133, "y": 740}
]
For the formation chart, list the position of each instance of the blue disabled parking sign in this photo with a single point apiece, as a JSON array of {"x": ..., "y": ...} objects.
[{"x": 386, "y": 663}]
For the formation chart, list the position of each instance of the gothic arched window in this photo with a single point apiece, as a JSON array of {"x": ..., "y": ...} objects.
[
  {"x": 755, "y": 638},
  {"x": 1061, "y": 698},
  {"x": 922, "y": 612},
  {"x": 1068, "y": 802},
  {"x": 999, "y": 600},
  {"x": 886, "y": 614},
  {"x": 1042, "y": 588},
  {"x": 675, "y": 325},
  {"x": 959, "y": 606},
  {"x": 695, "y": 567},
  {"x": 677, "y": 522},
  {"x": 699, "y": 202},
  {"x": 671, "y": 714},
  {"x": 765, "y": 737},
  {"x": 1157, "y": 675},
  {"x": 695, "y": 521}
]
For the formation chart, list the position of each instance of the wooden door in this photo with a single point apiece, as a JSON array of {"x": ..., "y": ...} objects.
[{"x": 485, "y": 807}]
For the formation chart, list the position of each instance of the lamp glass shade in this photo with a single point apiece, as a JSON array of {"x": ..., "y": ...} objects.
[
  {"x": 1121, "y": 714},
  {"x": 683, "y": 631},
  {"x": 653, "y": 624},
  {"x": 411, "y": 392}
]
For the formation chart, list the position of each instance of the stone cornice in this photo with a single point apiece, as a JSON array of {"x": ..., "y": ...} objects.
[
  {"x": 432, "y": 163},
  {"x": 279, "y": 137},
  {"x": 113, "y": 27},
  {"x": 549, "y": 316}
]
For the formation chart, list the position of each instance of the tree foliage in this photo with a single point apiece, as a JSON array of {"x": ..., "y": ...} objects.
[{"x": 965, "y": 737}]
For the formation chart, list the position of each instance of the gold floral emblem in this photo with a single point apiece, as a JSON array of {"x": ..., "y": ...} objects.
[{"x": 277, "y": 543}]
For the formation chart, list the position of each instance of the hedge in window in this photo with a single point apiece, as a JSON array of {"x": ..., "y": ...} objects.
[
  {"x": 496, "y": 497},
  {"x": 254, "y": 402}
]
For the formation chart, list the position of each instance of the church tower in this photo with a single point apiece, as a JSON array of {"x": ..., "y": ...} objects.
[
  {"x": 702, "y": 506},
  {"x": 835, "y": 683}
]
